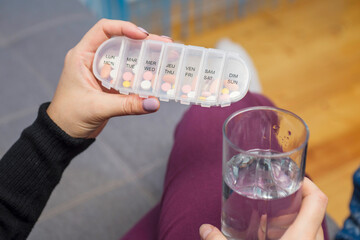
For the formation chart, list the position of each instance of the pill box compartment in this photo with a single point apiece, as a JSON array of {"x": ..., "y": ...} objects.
[
  {"x": 169, "y": 71},
  {"x": 235, "y": 80},
  {"x": 129, "y": 65},
  {"x": 209, "y": 81},
  {"x": 149, "y": 65},
  {"x": 190, "y": 73},
  {"x": 106, "y": 61}
]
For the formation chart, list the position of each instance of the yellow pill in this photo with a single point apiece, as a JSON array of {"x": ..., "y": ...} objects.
[
  {"x": 225, "y": 91},
  {"x": 126, "y": 84},
  {"x": 202, "y": 98}
]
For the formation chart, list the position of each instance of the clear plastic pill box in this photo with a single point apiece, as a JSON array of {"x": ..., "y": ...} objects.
[{"x": 171, "y": 71}]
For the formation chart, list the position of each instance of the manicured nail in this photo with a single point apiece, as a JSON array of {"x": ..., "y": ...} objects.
[
  {"x": 150, "y": 104},
  {"x": 164, "y": 36},
  {"x": 143, "y": 30},
  {"x": 205, "y": 230}
]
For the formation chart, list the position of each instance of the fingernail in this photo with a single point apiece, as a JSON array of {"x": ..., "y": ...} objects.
[
  {"x": 205, "y": 230},
  {"x": 164, "y": 36},
  {"x": 143, "y": 30},
  {"x": 150, "y": 104}
]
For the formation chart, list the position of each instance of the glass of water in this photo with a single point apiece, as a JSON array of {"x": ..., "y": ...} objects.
[{"x": 264, "y": 152}]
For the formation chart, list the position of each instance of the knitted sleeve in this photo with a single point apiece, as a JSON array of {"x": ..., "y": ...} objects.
[{"x": 29, "y": 172}]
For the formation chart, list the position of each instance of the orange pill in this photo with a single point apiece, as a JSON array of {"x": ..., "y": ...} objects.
[
  {"x": 105, "y": 71},
  {"x": 169, "y": 78}
]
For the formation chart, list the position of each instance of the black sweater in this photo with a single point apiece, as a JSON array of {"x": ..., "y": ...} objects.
[{"x": 29, "y": 172}]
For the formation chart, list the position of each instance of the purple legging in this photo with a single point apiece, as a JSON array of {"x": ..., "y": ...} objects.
[{"x": 193, "y": 181}]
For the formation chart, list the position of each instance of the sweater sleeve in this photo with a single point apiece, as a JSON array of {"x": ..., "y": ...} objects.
[{"x": 29, "y": 172}]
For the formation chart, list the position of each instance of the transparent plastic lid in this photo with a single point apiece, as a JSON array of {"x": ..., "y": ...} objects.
[{"x": 187, "y": 74}]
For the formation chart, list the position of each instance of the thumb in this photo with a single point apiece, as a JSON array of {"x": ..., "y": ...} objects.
[
  {"x": 120, "y": 105},
  {"x": 209, "y": 232}
]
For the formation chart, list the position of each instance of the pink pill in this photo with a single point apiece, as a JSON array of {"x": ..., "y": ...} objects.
[
  {"x": 127, "y": 76},
  {"x": 184, "y": 96},
  {"x": 166, "y": 87},
  {"x": 206, "y": 94},
  {"x": 186, "y": 88},
  {"x": 147, "y": 75},
  {"x": 105, "y": 71}
]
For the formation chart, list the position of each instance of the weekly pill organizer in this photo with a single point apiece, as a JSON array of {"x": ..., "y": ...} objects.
[{"x": 172, "y": 71}]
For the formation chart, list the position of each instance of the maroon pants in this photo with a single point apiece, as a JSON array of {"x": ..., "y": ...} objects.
[{"x": 193, "y": 181}]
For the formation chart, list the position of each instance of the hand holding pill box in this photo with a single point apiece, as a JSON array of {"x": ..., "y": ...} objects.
[{"x": 188, "y": 74}]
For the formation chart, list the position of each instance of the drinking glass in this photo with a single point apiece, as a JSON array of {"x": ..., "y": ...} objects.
[{"x": 264, "y": 152}]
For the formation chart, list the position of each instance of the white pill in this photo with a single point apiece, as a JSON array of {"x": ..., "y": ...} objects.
[
  {"x": 191, "y": 94},
  {"x": 146, "y": 85},
  {"x": 170, "y": 92},
  {"x": 234, "y": 94},
  {"x": 211, "y": 98},
  {"x": 112, "y": 74}
]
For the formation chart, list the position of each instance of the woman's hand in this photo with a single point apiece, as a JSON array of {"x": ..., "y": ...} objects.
[
  {"x": 307, "y": 224},
  {"x": 81, "y": 107},
  {"x": 209, "y": 232}
]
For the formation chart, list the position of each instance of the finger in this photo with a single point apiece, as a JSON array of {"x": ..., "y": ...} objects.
[
  {"x": 105, "y": 29},
  {"x": 283, "y": 221},
  {"x": 276, "y": 227},
  {"x": 320, "y": 234},
  {"x": 113, "y": 105},
  {"x": 209, "y": 232},
  {"x": 311, "y": 213},
  {"x": 159, "y": 38},
  {"x": 262, "y": 227}
]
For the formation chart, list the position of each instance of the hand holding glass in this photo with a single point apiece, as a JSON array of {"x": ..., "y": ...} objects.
[{"x": 264, "y": 152}]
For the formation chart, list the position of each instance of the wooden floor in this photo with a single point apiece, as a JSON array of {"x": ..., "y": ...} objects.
[{"x": 308, "y": 57}]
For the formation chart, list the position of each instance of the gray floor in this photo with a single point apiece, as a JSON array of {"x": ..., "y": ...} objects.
[{"x": 109, "y": 187}]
